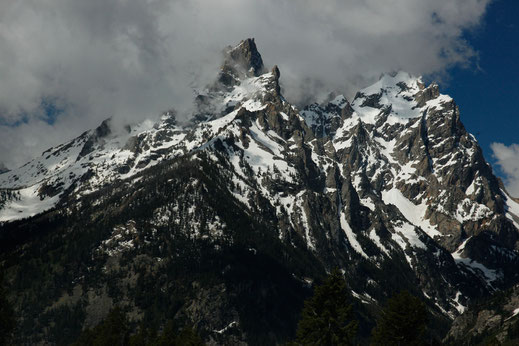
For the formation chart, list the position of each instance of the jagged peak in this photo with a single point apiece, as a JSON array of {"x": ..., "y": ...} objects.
[
  {"x": 341, "y": 182},
  {"x": 241, "y": 61},
  {"x": 104, "y": 129},
  {"x": 334, "y": 99},
  {"x": 401, "y": 92},
  {"x": 399, "y": 79},
  {"x": 337, "y": 99},
  {"x": 275, "y": 72}
]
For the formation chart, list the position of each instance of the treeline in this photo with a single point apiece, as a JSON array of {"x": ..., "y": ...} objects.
[
  {"x": 66, "y": 257},
  {"x": 7, "y": 318},
  {"x": 328, "y": 318},
  {"x": 115, "y": 330}
]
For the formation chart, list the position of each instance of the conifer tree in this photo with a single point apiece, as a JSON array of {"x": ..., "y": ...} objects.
[
  {"x": 172, "y": 336},
  {"x": 402, "y": 322},
  {"x": 7, "y": 320},
  {"x": 112, "y": 331},
  {"x": 327, "y": 317}
]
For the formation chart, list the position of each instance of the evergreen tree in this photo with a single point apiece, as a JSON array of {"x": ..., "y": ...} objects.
[
  {"x": 7, "y": 320},
  {"x": 402, "y": 322},
  {"x": 187, "y": 336},
  {"x": 144, "y": 336},
  {"x": 112, "y": 331},
  {"x": 327, "y": 317}
]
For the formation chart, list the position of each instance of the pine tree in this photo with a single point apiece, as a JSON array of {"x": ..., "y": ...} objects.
[
  {"x": 112, "y": 331},
  {"x": 402, "y": 322},
  {"x": 189, "y": 337},
  {"x": 144, "y": 336},
  {"x": 172, "y": 336},
  {"x": 327, "y": 317},
  {"x": 7, "y": 320}
]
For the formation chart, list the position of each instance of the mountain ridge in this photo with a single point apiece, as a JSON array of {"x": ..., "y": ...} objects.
[{"x": 390, "y": 184}]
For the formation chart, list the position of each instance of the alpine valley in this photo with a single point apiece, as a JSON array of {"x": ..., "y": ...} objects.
[{"x": 227, "y": 220}]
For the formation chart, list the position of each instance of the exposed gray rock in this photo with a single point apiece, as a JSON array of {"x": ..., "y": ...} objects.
[{"x": 390, "y": 188}]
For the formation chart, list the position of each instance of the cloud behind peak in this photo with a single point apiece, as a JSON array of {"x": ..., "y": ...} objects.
[{"x": 134, "y": 59}]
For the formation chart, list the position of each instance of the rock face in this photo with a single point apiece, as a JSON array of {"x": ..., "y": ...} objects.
[
  {"x": 496, "y": 319},
  {"x": 240, "y": 62},
  {"x": 254, "y": 198}
]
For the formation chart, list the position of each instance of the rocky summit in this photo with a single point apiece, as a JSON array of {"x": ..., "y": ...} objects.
[{"x": 226, "y": 220}]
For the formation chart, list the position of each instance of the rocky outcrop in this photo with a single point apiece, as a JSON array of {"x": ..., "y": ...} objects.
[
  {"x": 390, "y": 188},
  {"x": 492, "y": 321},
  {"x": 97, "y": 137},
  {"x": 240, "y": 62}
]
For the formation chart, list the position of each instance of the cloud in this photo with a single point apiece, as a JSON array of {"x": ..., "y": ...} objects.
[
  {"x": 507, "y": 158},
  {"x": 134, "y": 59}
]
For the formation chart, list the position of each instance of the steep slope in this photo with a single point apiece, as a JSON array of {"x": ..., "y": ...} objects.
[
  {"x": 492, "y": 321},
  {"x": 391, "y": 188}
]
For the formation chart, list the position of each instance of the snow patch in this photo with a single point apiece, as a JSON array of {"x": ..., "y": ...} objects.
[
  {"x": 412, "y": 212},
  {"x": 27, "y": 203},
  {"x": 352, "y": 238}
]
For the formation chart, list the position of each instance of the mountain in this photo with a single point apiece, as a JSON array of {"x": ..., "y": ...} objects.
[
  {"x": 492, "y": 321},
  {"x": 226, "y": 220}
]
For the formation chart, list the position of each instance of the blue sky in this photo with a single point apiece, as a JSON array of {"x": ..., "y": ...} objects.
[{"x": 487, "y": 91}]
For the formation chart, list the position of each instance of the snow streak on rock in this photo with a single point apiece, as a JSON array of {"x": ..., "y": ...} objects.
[{"x": 391, "y": 176}]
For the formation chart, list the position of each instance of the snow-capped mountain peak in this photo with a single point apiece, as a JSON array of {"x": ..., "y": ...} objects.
[
  {"x": 401, "y": 95},
  {"x": 392, "y": 177},
  {"x": 240, "y": 62}
]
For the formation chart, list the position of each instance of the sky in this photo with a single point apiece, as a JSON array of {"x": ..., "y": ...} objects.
[
  {"x": 66, "y": 65},
  {"x": 488, "y": 93}
]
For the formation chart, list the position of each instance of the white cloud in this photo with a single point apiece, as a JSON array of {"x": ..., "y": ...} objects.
[
  {"x": 133, "y": 59},
  {"x": 507, "y": 158}
]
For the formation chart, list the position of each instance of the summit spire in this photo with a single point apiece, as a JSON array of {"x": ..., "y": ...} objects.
[{"x": 241, "y": 61}]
